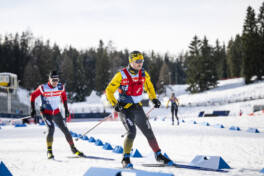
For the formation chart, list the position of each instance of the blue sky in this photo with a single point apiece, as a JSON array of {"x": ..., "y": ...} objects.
[{"x": 145, "y": 25}]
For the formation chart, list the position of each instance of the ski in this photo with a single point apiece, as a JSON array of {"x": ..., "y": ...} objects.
[
  {"x": 92, "y": 157},
  {"x": 126, "y": 168},
  {"x": 185, "y": 167}
]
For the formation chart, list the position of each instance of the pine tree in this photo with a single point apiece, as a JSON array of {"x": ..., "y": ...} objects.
[
  {"x": 193, "y": 65},
  {"x": 102, "y": 69},
  {"x": 89, "y": 59},
  {"x": 16, "y": 57},
  {"x": 163, "y": 77},
  {"x": 43, "y": 55},
  {"x": 154, "y": 74},
  {"x": 249, "y": 46},
  {"x": 31, "y": 76},
  {"x": 219, "y": 57},
  {"x": 201, "y": 69},
  {"x": 25, "y": 56},
  {"x": 180, "y": 75},
  {"x": 7, "y": 51},
  {"x": 260, "y": 21},
  {"x": 225, "y": 70},
  {"x": 169, "y": 61},
  {"x": 152, "y": 69},
  {"x": 234, "y": 57},
  {"x": 208, "y": 77},
  {"x": 81, "y": 84},
  {"x": 56, "y": 56},
  {"x": 118, "y": 61},
  {"x": 147, "y": 61},
  {"x": 67, "y": 73}
]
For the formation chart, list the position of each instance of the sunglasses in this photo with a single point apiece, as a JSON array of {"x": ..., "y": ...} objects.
[
  {"x": 139, "y": 61},
  {"x": 55, "y": 80}
]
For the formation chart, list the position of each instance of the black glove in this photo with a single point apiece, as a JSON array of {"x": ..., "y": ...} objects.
[
  {"x": 118, "y": 107},
  {"x": 67, "y": 113},
  {"x": 33, "y": 113},
  {"x": 156, "y": 103}
]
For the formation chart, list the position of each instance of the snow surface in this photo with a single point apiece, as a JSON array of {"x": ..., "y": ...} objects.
[{"x": 23, "y": 150}]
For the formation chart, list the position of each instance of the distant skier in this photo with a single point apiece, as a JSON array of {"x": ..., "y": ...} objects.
[
  {"x": 130, "y": 81},
  {"x": 174, "y": 107},
  {"x": 240, "y": 112},
  {"x": 51, "y": 93}
]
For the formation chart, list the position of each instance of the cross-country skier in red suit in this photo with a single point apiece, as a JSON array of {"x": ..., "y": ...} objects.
[{"x": 51, "y": 94}]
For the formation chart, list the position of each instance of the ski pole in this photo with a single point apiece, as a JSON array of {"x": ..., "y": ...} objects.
[
  {"x": 44, "y": 132},
  {"x": 150, "y": 111},
  {"x": 147, "y": 117},
  {"x": 94, "y": 127},
  {"x": 21, "y": 118},
  {"x": 124, "y": 134}
]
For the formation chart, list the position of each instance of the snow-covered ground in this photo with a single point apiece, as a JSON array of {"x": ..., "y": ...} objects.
[{"x": 23, "y": 150}]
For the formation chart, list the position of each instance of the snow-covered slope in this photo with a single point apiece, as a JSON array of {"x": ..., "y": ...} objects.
[{"x": 232, "y": 95}]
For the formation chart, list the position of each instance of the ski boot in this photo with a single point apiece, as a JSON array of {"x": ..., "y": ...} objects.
[
  {"x": 126, "y": 161},
  {"x": 172, "y": 122},
  {"x": 49, "y": 152},
  {"x": 76, "y": 152},
  {"x": 162, "y": 159}
]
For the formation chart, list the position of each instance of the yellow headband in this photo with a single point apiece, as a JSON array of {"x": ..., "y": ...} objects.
[{"x": 135, "y": 56}]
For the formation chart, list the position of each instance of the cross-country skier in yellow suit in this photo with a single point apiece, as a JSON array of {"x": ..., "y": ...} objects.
[{"x": 130, "y": 82}]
